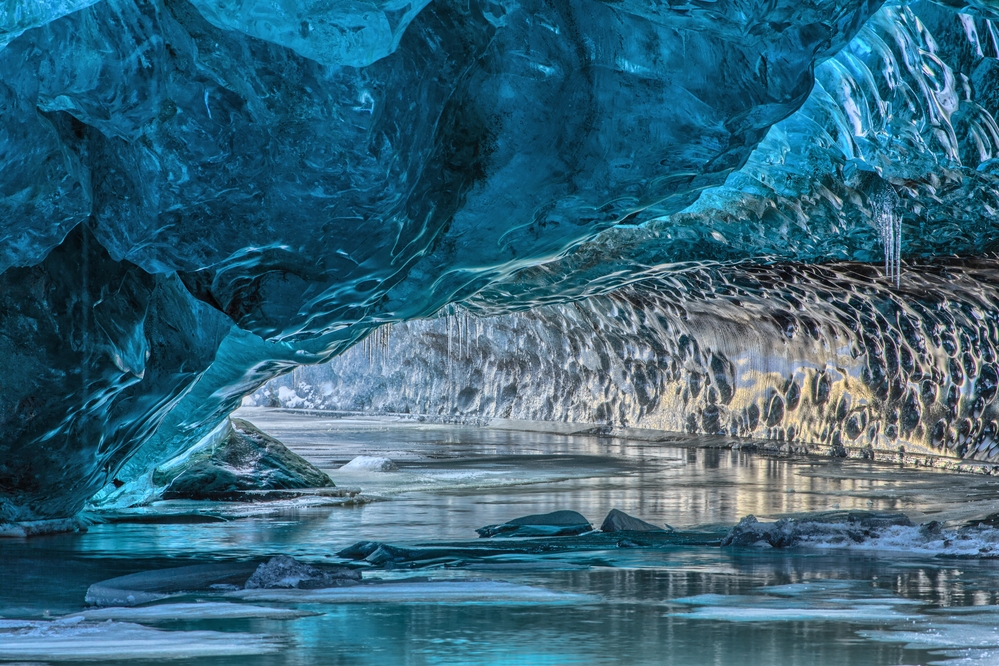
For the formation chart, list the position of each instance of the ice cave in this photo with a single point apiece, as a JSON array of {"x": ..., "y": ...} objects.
[{"x": 499, "y": 332}]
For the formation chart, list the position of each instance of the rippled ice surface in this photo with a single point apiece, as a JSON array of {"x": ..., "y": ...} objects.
[{"x": 669, "y": 605}]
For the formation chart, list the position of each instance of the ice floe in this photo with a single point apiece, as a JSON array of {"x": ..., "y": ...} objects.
[
  {"x": 472, "y": 591},
  {"x": 208, "y": 610},
  {"x": 77, "y": 639}
]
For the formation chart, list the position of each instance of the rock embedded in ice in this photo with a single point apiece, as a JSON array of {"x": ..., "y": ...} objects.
[
  {"x": 287, "y": 572},
  {"x": 619, "y": 521},
  {"x": 370, "y": 464},
  {"x": 149, "y": 586},
  {"x": 242, "y": 458},
  {"x": 556, "y": 523}
]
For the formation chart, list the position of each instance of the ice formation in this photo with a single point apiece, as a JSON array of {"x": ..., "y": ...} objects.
[{"x": 684, "y": 202}]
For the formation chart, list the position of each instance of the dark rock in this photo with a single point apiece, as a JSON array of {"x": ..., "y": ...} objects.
[
  {"x": 619, "y": 521},
  {"x": 287, "y": 572},
  {"x": 243, "y": 458},
  {"x": 152, "y": 585},
  {"x": 382, "y": 554},
  {"x": 837, "y": 526},
  {"x": 556, "y": 523},
  {"x": 748, "y": 532}
]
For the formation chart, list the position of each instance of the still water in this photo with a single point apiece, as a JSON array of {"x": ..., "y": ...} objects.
[{"x": 673, "y": 604}]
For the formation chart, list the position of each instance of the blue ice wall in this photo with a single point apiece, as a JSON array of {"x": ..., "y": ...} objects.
[{"x": 199, "y": 195}]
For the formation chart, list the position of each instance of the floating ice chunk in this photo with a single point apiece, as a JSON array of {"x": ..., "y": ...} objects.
[
  {"x": 149, "y": 586},
  {"x": 74, "y": 639},
  {"x": 619, "y": 521},
  {"x": 815, "y": 588},
  {"x": 482, "y": 591},
  {"x": 30, "y": 528},
  {"x": 943, "y": 634},
  {"x": 370, "y": 464},
  {"x": 212, "y": 610},
  {"x": 762, "y": 608},
  {"x": 860, "y": 613},
  {"x": 556, "y": 523}
]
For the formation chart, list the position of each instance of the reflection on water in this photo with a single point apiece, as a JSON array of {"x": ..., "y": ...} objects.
[{"x": 668, "y": 605}]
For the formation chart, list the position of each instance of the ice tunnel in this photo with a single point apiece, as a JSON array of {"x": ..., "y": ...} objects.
[{"x": 772, "y": 220}]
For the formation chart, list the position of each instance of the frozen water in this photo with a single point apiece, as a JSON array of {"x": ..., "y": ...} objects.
[
  {"x": 153, "y": 585},
  {"x": 76, "y": 639},
  {"x": 423, "y": 592},
  {"x": 209, "y": 610},
  {"x": 541, "y": 601}
]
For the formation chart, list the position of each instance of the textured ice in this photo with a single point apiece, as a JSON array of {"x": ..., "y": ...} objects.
[
  {"x": 75, "y": 639},
  {"x": 199, "y": 195},
  {"x": 823, "y": 359}
]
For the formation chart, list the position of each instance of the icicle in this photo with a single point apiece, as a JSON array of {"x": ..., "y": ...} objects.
[{"x": 890, "y": 228}]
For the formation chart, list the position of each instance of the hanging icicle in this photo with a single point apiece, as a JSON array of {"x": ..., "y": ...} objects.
[{"x": 890, "y": 228}]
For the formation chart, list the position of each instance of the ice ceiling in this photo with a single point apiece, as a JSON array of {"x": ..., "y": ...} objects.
[{"x": 198, "y": 195}]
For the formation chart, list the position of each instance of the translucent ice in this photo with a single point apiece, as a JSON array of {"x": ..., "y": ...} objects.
[
  {"x": 76, "y": 639},
  {"x": 200, "y": 195}
]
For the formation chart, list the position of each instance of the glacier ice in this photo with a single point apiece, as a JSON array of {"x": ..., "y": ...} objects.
[
  {"x": 825, "y": 359},
  {"x": 200, "y": 195},
  {"x": 238, "y": 457}
]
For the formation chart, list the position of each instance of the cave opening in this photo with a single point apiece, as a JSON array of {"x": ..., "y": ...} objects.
[{"x": 499, "y": 331}]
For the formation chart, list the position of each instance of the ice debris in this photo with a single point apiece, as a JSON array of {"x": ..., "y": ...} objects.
[
  {"x": 839, "y": 526},
  {"x": 287, "y": 572},
  {"x": 619, "y": 521},
  {"x": 146, "y": 586},
  {"x": 556, "y": 523},
  {"x": 281, "y": 571}
]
